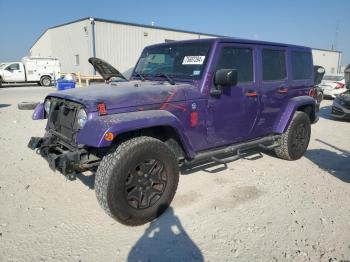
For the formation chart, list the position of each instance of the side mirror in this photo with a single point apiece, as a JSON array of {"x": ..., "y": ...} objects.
[
  {"x": 318, "y": 74},
  {"x": 225, "y": 78}
]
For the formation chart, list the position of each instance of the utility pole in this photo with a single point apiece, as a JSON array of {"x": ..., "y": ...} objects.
[
  {"x": 334, "y": 45},
  {"x": 93, "y": 43}
]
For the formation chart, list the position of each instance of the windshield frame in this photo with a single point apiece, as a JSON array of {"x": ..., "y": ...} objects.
[{"x": 186, "y": 78}]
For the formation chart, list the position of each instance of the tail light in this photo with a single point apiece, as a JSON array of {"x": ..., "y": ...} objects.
[
  {"x": 339, "y": 85},
  {"x": 313, "y": 92}
]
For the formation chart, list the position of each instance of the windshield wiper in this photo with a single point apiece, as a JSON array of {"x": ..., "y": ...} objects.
[
  {"x": 140, "y": 75},
  {"x": 171, "y": 81}
]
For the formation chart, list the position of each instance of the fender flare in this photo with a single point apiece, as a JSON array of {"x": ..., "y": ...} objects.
[
  {"x": 39, "y": 112},
  {"x": 92, "y": 134},
  {"x": 287, "y": 113}
]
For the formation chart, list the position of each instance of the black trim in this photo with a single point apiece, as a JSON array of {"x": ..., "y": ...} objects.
[{"x": 61, "y": 158}]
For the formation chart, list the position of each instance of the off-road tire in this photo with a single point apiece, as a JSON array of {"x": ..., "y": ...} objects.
[
  {"x": 293, "y": 146},
  {"x": 27, "y": 105},
  {"x": 45, "y": 81},
  {"x": 114, "y": 169}
]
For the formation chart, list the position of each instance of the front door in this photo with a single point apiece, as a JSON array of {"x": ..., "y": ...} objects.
[
  {"x": 231, "y": 116},
  {"x": 13, "y": 73}
]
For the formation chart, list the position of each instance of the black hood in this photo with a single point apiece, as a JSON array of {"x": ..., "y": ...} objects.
[{"x": 104, "y": 69}]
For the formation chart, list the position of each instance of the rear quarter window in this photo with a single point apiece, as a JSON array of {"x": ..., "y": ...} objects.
[
  {"x": 274, "y": 65},
  {"x": 301, "y": 65}
]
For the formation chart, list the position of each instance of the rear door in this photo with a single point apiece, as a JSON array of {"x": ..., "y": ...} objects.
[{"x": 273, "y": 86}]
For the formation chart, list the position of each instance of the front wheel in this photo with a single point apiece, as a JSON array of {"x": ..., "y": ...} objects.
[
  {"x": 295, "y": 140},
  {"x": 137, "y": 182}
]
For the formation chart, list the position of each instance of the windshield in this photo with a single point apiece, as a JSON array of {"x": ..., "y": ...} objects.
[
  {"x": 2, "y": 66},
  {"x": 333, "y": 78},
  {"x": 182, "y": 60}
]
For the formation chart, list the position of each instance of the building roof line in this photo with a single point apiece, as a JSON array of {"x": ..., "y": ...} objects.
[
  {"x": 327, "y": 50},
  {"x": 125, "y": 23}
]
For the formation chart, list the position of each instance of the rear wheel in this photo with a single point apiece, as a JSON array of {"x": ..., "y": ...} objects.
[
  {"x": 45, "y": 81},
  {"x": 137, "y": 182},
  {"x": 295, "y": 140}
]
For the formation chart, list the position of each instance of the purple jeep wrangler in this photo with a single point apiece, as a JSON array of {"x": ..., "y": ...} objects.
[{"x": 186, "y": 102}]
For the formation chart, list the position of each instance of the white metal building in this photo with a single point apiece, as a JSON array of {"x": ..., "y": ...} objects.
[
  {"x": 121, "y": 44},
  {"x": 118, "y": 43},
  {"x": 329, "y": 59}
]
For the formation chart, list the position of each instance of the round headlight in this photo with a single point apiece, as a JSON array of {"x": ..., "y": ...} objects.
[
  {"x": 81, "y": 118},
  {"x": 47, "y": 106}
]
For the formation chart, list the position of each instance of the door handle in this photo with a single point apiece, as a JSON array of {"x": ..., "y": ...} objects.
[
  {"x": 283, "y": 90},
  {"x": 251, "y": 93}
]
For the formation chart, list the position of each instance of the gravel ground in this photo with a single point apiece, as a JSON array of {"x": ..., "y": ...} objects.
[{"x": 261, "y": 208}]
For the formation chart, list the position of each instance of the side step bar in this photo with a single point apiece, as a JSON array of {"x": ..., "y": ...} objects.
[{"x": 266, "y": 143}]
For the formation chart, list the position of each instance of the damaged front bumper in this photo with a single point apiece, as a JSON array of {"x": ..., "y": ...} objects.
[{"x": 64, "y": 158}]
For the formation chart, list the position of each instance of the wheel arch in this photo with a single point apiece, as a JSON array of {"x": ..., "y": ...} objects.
[
  {"x": 305, "y": 104},
  {"x": 41, "y": 77},
  {"x": 159, "y": 124},
  {"x": 165, "y": 133}
]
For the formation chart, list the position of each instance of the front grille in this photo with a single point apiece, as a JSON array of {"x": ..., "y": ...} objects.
[{"x": 62, "y": 118}]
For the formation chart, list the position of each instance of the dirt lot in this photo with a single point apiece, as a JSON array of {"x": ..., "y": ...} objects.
[{"x": 261, "y": 209}]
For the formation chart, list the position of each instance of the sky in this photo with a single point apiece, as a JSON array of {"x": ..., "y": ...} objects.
[{"x": 304, "y": 22}]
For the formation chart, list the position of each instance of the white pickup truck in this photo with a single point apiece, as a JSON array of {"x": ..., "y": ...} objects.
[{"x": 43, "y": 71}]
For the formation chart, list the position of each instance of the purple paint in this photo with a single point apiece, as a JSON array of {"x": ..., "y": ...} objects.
[
  {"x": 231, "y": 118},
  {"x": 39, "y": 112}
]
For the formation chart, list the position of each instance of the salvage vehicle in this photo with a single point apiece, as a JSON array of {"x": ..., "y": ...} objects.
[
  {"x": 31, "y": 70},
  {"x": 186, "y": 102},
  {"x": 332, "y": 85},
  {"x": 341, "y": 104}
]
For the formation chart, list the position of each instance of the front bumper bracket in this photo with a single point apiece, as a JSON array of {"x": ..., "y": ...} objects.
[{"x": 67, "y": 161}]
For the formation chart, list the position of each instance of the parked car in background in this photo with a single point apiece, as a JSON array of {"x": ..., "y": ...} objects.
[
  {"x": 333, "y": 85},
  {"x": 341, "y": 106},
  {"x": 43, "y": 71}
]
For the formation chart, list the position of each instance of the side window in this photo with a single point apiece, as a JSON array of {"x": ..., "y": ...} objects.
[
  {"x": 13, "y": 67},
  {"x": 274, "y": 65},
  {"x": 237, "y": 58},
  {"x": 301, "y": 65}
]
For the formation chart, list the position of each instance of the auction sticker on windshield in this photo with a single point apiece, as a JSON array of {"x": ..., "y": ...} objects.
[{"x": 193, "y": 60}]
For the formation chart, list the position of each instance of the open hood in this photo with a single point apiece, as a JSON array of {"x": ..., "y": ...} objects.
[{"x": 104, "y": 69}]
